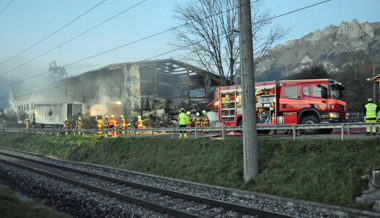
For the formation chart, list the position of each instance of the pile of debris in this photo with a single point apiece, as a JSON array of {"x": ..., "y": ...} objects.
[{"x": 371, "y": 197}]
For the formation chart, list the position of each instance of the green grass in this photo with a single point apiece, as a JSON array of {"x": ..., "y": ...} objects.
[
  {"x": 326, "y": 171},
  {"x": 11, "y": 206}
]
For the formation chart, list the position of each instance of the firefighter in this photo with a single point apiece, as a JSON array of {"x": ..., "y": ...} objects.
[
  {"x": 78, "y": 125},
  {"x": 99, "y": 124},
  {"x": 370, "y": 115},
  {"x": 27, "y": 123},
  {"x": 66, "y": 126},
  {"x": 197, "y": 120},
  {"x": 106, "y": 125},
  {"x": 205, "y": 121},
  {"x": 123, "y": 125},
  {"x": 139, "y": 123},
  {"x": 113, "y": 125},
  {"x": 190, "y": 121},
  {"x": 182, "y": 121}
]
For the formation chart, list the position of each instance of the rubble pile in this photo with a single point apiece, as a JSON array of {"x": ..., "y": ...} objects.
[{"x": 371, "y": 197}]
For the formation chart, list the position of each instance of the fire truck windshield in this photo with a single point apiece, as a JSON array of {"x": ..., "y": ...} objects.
[{"x": 336, "y": 91}]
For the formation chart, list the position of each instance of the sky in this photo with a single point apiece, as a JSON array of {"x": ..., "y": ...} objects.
[{"x": 25, "y": 22}]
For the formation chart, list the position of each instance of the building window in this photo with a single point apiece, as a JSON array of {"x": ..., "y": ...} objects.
[{"x": 291, "y": 92}]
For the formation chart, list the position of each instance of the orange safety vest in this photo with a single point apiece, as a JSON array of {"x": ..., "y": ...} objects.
[
  {"x": 113, "y": 123},
  {"x": 139, "y": 124}
]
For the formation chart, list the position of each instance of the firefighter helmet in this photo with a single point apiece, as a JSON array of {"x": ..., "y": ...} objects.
[
  {"x": 188, "y": 113},
  {"x": 369, "y": 100},
  {"x": 138, "y": 117},
  {"x": 204, "y": 112},
  {"x": 112, "y": 116},
  {"x": 67, "y": 119},
  {"x": 197, "y": 114},
  {"x": 79, "y": 118},
  {"x": 121, "y": 116}
]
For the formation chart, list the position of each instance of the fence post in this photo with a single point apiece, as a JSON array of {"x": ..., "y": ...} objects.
[
  {"x": 342, "y": 132},
  {"x": 348, "y": 129},
  {"x": 135, "y": 132},
  {"x": 196, "y": 133},
  {"x": 173, "y": 133},
  {"x": 370, "y": 128},
  {"x": 294, "y": 132},
  {"x": 223, "y": 133},
  {"x": 152, "y": 132}
]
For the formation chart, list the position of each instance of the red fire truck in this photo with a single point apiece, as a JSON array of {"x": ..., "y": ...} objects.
[{"x": 286, "y": 102}]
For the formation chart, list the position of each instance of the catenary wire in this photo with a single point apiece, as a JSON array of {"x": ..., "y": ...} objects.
[
  {"x": 6, "y": 7},
  {"x": 75, "y": 37},
  {"x": 53, "y": 33},
  {"x": 37, "y": 75}
]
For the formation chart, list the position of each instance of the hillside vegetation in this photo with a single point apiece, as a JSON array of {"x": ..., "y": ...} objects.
[{"x": 325, "y": 171}]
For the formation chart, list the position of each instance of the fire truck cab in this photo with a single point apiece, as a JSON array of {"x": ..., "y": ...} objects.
[{"x": 286, "y": 102}]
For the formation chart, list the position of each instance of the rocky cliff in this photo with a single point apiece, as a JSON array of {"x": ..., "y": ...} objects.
[{"x": 324, "y": 47}]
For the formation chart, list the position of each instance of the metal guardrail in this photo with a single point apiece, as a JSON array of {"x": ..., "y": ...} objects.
[{"x": 345, "y": 129}]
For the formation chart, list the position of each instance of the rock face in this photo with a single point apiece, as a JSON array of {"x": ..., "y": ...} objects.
[{"x": 321, "y": 47}]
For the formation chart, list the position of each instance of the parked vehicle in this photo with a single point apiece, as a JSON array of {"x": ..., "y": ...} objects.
[
  {"x": 54, "y": 115},
  {"x": 286, "y": 102}
]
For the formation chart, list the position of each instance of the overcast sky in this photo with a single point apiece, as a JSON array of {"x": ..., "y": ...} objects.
[{"x": 25, "y": 22}]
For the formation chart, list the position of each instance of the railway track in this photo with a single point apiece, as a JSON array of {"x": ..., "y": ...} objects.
[{"x": 162, "y": 200}]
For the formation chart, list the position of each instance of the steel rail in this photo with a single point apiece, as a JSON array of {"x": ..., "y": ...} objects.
[
  {"x": 203, "y": 200},
  {"x": 160, "y": 208}
]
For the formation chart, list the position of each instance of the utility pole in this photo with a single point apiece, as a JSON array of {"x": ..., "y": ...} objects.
[{"x": 250, "y": 147}]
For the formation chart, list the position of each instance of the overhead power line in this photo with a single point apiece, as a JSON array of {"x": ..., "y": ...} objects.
[
  {"x": 40, "y": 74},
  {"x": 6, "y": 7},
  {"x": 75, "y": 37},
  {"x": 53, "y": 33}
]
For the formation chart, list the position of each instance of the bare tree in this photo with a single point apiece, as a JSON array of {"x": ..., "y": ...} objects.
[
  {"x": 56, "y": 72},
  {"x": 212, "y": 37},
  {"x": 356, "y": 69}
]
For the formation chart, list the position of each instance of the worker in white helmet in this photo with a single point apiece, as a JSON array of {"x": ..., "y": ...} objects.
[
  {"x": 205, "y": 121},
  {"x": 197, "y": 120}
]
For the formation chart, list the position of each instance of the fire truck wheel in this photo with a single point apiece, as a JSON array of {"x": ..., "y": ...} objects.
[{"x": 311, "y": 119}]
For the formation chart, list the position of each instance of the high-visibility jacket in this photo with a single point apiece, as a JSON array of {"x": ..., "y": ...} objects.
[
  {"x": 370, "y": 111},
  {"x": 66, "y": 124},
  {"x": 122, "y": 123},
  {"x": 113, "y": 123},
  {"x": 106, "y": 123},
  {"x": 190, "y": 120},
  {"x": 99, "y": 123},
  {"x": 205, "y": 120},
  {"x": 378, "y": 116},
  {"x": 198, "y": 120},
  {"x": 139, "y": 123},
  {"x": 182, "y": 118},
  {"x": 79, "y": 124}
]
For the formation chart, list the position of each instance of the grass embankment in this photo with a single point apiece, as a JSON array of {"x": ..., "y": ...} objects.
[
  {"x": 325, "y": 171},
  {"x": 12, "y": 206}
]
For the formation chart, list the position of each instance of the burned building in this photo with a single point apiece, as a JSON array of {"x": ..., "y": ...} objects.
[{"x": 147, "y": 88}]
